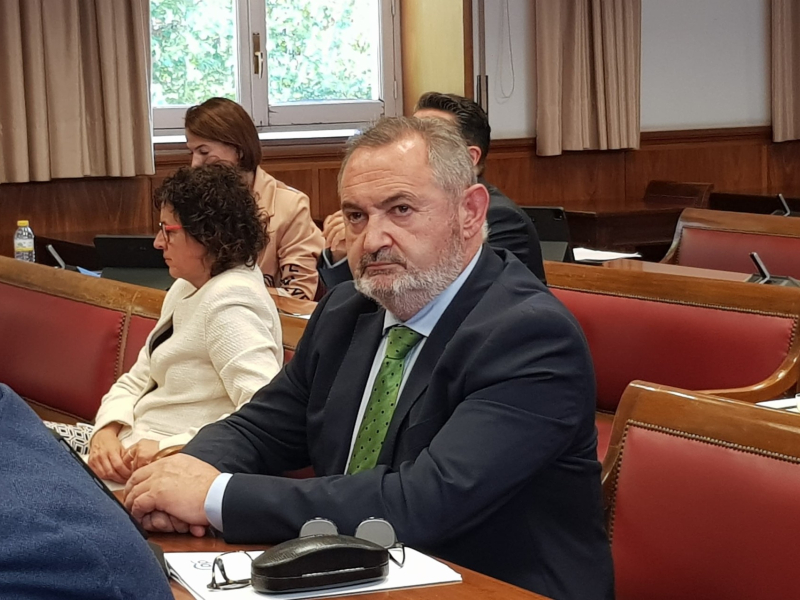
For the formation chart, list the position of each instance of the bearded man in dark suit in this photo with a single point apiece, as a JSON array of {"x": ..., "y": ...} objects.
[{"x": 445, "y": 390}]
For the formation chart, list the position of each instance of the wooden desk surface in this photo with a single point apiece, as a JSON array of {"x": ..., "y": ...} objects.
[
  {"x": 653, "y": 267},
  {"x": 474, "y": 586}
]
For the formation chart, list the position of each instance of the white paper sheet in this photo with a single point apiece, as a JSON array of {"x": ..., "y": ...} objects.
[
  {"x": 193, "y": 571},
  {"x": 787, "y": 404},
  {"x": 588, "y": 255}
]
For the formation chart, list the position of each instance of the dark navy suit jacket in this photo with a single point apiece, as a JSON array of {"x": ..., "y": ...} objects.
[
  {"x": 509, "y": 228},
  {"x": 60, "y": 536},
  {"x": 490, "y": 459}
]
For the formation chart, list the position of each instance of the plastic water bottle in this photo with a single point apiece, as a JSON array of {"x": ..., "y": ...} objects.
[{"x": 23, "y": 242}]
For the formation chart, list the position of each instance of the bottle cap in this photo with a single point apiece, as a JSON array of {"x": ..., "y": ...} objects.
[{"x": 23, "y": 223}]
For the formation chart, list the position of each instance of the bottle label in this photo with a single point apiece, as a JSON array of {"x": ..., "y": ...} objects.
[{"x": 23, "y": 245}]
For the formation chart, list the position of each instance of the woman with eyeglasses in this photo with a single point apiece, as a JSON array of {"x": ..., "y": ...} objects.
[
  {"x": 218, "y": 339},
  {"x": 221, "y": 131}
]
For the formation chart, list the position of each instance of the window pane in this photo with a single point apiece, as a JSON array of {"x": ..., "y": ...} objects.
[
  {"x": 323, "y": 50},
  {"x": 194, "y": 51}
]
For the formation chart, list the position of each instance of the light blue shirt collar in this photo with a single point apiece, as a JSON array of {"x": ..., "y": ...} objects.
[{"x": 425, "y": 320}]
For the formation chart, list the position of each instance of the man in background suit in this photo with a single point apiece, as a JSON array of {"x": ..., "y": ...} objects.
[
  {"x": 445, "y": 390},
  {"x": 62, "y": 537},
  {"x": 509, "y": 226}
]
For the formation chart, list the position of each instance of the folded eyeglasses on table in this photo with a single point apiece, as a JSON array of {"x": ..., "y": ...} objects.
[{"x": 319, "y": 558}]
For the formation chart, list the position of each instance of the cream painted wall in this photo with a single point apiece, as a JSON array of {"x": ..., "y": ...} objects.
[
  {"x": 705, "y": 64},
  {"x": 433, "y": 48},
  {"x": 510, "y": 62}
]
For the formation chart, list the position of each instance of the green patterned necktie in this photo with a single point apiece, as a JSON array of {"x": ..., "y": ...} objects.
[{"x": 382, "y": 400}]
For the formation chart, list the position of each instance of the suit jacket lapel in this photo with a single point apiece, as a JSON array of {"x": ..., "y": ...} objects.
[
  {"x": 344, "y": 398},
  {"x": 463, "y": 303}
]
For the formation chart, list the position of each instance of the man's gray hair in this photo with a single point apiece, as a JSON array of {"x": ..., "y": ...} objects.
[{"x": 448, "y": 154}]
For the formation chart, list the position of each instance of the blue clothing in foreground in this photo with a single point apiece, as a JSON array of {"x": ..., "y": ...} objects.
[{"x": 62, "y": 537}]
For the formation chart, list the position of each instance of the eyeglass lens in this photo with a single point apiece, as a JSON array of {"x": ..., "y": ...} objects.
[
  {"x": 377, "y": 531},
  {"x": 231, "y": 570},
  {"x": 318, "y": 526}
]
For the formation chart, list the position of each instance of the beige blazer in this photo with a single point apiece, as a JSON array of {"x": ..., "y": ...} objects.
[{"x": 295, "y": 242}]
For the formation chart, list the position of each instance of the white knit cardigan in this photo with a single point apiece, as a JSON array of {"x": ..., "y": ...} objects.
[{"x": 226, "y": 344}]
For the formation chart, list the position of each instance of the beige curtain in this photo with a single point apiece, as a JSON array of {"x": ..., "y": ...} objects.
[
  {"x": 785, "y": 70},
  {"x": 587, "y": 74},
  {"x": 74, "y": 89}
]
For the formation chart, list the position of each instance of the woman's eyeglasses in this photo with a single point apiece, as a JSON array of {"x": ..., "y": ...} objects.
[
  {"x": 166, "y": 229},
  {"x": 231, "y": 570}
]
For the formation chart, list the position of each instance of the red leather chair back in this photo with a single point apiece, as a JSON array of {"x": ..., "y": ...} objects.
[
  {"x": 730, "y": 251},
  {"x": 689, "y": 346},
  {"x": 695, "y": 513},
  {"x": 57, "y": 351},
  {"x": 67, "y": 337},
  {"x": 138, "y": 330}
]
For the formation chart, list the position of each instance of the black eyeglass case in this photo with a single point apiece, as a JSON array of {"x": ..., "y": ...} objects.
[{"x": 318, "y": 562}]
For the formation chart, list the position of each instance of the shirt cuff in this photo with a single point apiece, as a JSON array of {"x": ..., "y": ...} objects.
[
  {"x": 326, "y": 258},
  {"x": 213, "y": 504}
]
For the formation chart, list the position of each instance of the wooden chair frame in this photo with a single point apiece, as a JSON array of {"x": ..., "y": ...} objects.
[
  {"x": 720, "y": 294},
  {"x": 139, "y": 301},
  {"x": 133, "y": 300},
  {"x": 698, "y": 415},
  {"x": 719, "y": 220}
]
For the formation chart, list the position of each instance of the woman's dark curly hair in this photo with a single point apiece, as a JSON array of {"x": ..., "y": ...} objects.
[{"x": 217, "y": 208}]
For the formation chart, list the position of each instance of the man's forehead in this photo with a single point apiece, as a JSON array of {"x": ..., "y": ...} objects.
[
  {"x": 402, "y": 155},
  {"x": 385, "y": 172}
]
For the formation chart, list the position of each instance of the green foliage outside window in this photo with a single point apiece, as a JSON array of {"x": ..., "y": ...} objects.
[
  {"x": 316, "y": 50},
  {"x": 193, "y": 51},
  {"x": 322, "y": 50}
]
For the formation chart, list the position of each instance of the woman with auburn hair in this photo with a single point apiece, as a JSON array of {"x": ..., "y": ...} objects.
[
  {"x": 219, "y": 130},
  {"x": 218, "y": 339}
]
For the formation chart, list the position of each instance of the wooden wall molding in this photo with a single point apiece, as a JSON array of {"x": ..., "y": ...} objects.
[
  {"x": 743, "y": 160},
  {"x": 761, "y": 134},
  {"x": 312, "y": 149}
]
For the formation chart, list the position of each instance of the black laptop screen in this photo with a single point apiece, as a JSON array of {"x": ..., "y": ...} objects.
[{"x": 128, "y": 251}]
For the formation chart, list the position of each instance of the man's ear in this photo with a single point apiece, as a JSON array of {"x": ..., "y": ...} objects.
[
  {"x": 474, "y": 205},
  {"x": 475, "y": 154}
]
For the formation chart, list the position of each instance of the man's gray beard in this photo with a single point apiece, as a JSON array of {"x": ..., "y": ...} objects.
[{"x": 411, "y": 290}]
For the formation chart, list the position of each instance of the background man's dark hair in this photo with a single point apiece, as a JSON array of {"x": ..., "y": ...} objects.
[{"x": 471, "y": 118}]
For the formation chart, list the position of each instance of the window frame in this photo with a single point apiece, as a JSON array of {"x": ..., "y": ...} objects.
[{"x": 252, "y": 89}]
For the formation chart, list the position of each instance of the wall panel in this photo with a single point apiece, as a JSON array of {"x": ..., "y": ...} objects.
[
  {"x": 328, "y": 192},
  {"x": 67, "y": 205},
  {"x": 579, "y": 178},
  {"x": 573, "y": 177},
  {"x": 784, "y": 169},
  {"x": 735, "y": 160}
]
